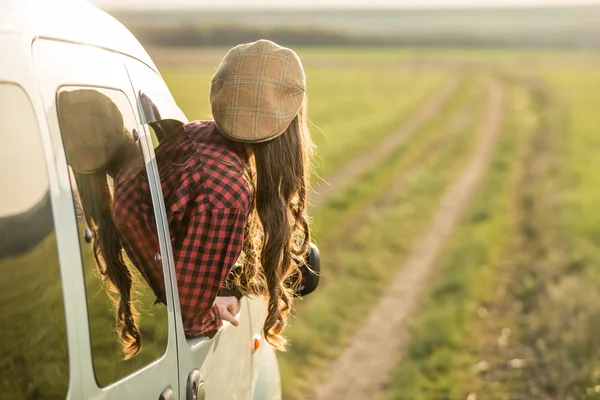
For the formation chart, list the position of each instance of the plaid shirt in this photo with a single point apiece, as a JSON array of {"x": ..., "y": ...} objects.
[{"x": 207, "y": 203}]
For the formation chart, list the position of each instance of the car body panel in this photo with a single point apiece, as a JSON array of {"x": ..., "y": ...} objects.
[{"x": 60, "y": 64}]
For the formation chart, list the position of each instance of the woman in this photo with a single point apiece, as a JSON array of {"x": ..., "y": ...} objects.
[{"x": 235, "y": 189}]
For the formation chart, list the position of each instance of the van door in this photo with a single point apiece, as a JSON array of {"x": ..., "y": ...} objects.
[
  {"x": 101, "y": 156},
  {"x": 217, "y": 368}
]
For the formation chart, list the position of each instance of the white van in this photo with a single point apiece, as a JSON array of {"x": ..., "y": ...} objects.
[{"x": 57, "y": 324}]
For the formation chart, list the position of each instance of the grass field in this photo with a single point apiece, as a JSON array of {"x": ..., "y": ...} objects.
[
  {"x": 513, "y": 311},
  {"x": 484, "y": 329},
  {"x": 437, "y": 353}
]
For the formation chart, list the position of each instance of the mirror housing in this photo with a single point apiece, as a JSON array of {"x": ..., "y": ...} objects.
[{"x": 311, "y": 271}]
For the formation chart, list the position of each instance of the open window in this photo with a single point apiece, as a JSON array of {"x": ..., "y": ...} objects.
[{"x": 162, "y": 115}]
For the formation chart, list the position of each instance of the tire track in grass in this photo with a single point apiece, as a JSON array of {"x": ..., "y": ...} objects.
[
  {"x": 362, "y": 369},
  {"x": 445, "y": 142},
  {"x": 324, "y": 190},
  {"x": 332, "y": 219}
]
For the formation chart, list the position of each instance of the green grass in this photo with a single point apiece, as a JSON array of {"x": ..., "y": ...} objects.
[
  {"x": 439, "y": 353},
  {"x": 574, "y": 297},
  {"x": 350, "y": 109},
  {"x": 578, "y": 91},
  {"x": 363, "y": 232},
  {"x": 33, "y": 349},
  {"x": 519, "y": 278}
]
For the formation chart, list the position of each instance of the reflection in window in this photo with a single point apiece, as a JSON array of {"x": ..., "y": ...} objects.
[
  {"x": 163, "y": 129},
  {"x": 108, "y": 180},
  {"x": 33, "y": 341},
  {"x": 162, "y": 114}
]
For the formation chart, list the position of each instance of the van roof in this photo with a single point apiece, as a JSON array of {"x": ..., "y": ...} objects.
[{"x": 75, "y": 21}]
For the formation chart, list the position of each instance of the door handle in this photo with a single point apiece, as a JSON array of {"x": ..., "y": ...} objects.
[
  {"x": 167, "y": 394},
  {"x": 195, "y": 386}
]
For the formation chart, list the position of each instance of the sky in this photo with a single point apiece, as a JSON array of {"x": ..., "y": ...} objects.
[{"x": 213, "y": 4}]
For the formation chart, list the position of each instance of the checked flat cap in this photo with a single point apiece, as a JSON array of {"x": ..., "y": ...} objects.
[
  {"x": 92, "y": 128},
  {"x": 257, "y": 91}
]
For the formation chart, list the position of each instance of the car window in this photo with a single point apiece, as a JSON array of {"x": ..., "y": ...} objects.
[
  {"x": 162, "y": 115},
  {"x": 119, "y": 249},
  {"x": 33, "y": 340}
]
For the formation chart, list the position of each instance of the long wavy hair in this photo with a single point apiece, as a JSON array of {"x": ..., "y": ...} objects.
[
  {"x": 96, "y": 202},
  {"x": 277, "y": 236}
]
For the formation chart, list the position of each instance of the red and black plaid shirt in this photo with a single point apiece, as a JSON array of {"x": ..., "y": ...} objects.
[{"x": 207, "y": 202}]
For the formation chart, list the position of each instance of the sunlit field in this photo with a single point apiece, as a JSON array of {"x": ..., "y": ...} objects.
[
  {"x": 511, "y": 306},
  {"x": 513, "y": 310}
]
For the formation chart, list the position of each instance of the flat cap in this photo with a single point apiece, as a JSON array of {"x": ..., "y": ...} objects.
[
  {"x": 92, "y": 128},
  {"x": 257, "y": 91}
]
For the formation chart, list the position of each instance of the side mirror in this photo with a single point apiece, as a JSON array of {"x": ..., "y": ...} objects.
[{"x": 311, "y": 271}]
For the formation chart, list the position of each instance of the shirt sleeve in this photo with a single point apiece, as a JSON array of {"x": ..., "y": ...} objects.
[{"x": 208, "y": 249}]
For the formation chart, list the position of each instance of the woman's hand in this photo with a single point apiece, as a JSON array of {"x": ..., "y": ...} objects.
[{"x": 228, "y": 308}]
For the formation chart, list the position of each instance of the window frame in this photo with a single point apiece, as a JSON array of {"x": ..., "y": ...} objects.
[
  {"x": 160, "y": 114},
  {"x": 75, "y": 190}
]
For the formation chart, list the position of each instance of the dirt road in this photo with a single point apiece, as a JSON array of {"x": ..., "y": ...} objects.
[
  {"x": 363, "y": 368},
  {"x": 351, "y": 171}
]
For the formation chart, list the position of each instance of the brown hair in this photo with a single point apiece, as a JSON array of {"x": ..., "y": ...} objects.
[
  {"x": 93, "y": 150},
  {"x": 96, "y": 202},
  {"x": 277, "y": 230}
]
